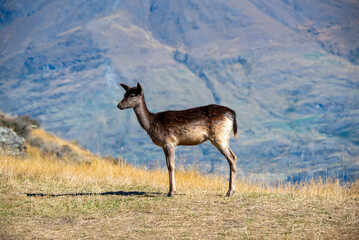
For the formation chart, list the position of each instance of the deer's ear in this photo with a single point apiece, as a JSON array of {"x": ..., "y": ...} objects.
[
  {"x": 139, "y": 88},
  {"x": 125, "y": 87}
]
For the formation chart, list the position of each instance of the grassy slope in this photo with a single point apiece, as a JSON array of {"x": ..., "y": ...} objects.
[
  {"x": 44, "y": 198},
  {"x": 52, "y": 139}
]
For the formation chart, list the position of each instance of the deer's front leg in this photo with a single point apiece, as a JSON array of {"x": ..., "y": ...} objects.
[{"x": 170, "y": 160}]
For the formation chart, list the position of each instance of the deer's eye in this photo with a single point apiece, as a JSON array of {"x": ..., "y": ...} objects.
[{"x": 132, "y": 95}]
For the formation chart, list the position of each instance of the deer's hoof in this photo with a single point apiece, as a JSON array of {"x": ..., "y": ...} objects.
[
  {"x": 170, "y": 194},
  {"x": 230, "y": 193}
]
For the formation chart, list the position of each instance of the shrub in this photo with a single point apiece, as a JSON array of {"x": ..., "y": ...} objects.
[{"x": 22, "y": 125}]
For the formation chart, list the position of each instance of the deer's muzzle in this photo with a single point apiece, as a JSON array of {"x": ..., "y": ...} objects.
[{"x": 120, "y": 106}]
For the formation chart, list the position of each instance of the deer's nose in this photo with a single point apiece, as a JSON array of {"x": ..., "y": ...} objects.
[{"x": 119, "y": 106}]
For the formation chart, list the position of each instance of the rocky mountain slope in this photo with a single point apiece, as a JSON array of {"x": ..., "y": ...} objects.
[{"x": 288, "y": 68}]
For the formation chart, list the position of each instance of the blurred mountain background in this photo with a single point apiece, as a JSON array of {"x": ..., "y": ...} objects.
[{"x": 288, "y": 68}]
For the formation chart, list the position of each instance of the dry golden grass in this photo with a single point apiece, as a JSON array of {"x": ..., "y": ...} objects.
[
  {"x": 52, "y": 139},
  {"x": 100, "y": 170},
  {"x": 45, "y": 198}
]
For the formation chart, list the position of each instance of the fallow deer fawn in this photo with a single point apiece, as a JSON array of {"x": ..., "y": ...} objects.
[{"x": 188, "y": 127}]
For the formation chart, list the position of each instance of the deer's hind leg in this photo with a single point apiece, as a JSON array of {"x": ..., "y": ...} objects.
[{"x": 223, "y": 147}]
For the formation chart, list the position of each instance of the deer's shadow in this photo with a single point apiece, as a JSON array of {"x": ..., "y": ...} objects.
[{"x": 117, "y": 193}]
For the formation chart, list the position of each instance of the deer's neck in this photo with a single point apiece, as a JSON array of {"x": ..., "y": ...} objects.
[{"x": 143, "y": 115}]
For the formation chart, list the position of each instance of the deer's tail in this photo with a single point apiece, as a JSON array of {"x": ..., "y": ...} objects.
[{"x": 234, "y": 124}]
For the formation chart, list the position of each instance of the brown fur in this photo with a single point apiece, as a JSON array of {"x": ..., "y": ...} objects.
[{"x": 187, "y": 127}]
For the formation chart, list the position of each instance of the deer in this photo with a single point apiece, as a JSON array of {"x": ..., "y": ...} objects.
[{"x": 193, "y": 126}]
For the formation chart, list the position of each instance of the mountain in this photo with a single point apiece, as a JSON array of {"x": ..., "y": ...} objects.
[{"x": 288, "y": 68}]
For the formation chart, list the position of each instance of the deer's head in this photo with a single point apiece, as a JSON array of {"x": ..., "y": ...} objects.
[{"x": 132, "y": 98}]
